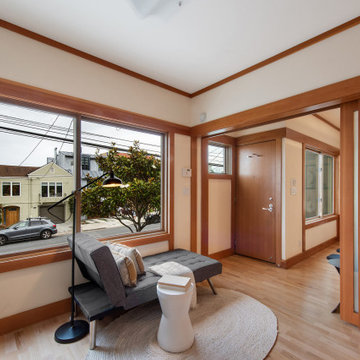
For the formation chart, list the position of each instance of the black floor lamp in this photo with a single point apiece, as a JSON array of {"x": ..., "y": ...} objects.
[{"x": 75, "y": 330}]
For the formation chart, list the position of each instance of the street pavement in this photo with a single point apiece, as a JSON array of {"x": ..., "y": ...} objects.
[{"x": 61, "y": 239}]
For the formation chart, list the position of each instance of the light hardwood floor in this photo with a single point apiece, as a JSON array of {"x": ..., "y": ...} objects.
[{"x": 301, "y": 297}]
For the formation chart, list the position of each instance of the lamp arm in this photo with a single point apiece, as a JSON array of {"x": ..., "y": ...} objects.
[{"x": 75, "y": 191}]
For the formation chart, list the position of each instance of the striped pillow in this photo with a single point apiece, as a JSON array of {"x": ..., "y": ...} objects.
[{"x": 132, "y": 253}]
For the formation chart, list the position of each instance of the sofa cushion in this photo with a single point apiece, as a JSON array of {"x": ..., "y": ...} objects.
[{"x": 203, "y": 267}]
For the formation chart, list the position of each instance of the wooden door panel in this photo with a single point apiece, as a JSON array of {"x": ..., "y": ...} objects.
[
  {"x": 256, "y": 186},
  {"x": 12, "y": 216}
]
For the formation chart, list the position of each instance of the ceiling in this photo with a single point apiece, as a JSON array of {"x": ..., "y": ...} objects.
[
  {"x": 333, "y": 116},
  {"x": 188, "y": 47}
]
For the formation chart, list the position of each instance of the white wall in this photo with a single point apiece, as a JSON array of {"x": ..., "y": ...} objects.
[
  {"x": 219, "y": 215},
  {"x": 33, "y": 63},
  {"x": 324, "y": 63},
  {"x": 291, "y": 203},
  {"x": 182, "y": 198}
]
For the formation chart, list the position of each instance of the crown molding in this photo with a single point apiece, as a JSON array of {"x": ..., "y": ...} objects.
[{"x": 45, "y": 40}]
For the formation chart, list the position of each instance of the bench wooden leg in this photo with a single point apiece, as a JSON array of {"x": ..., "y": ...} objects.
[
  {"x": 93, "y": 334},
  {"x": 212, "y": 286}
]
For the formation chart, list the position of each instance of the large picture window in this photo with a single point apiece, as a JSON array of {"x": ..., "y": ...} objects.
[
  {"x": 42, "y": 170},
  {"x": 319, "y": 184}
]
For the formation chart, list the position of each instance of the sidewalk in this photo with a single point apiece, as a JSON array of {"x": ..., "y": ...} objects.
[{"x": 91, "y": 224}]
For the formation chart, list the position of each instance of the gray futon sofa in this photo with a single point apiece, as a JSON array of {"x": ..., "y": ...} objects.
[{"x": 105, "y": 291}]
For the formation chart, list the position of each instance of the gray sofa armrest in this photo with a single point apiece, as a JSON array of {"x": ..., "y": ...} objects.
[
  {"x": 98, "y": 265},
  {"x": 109, "y": 275}
]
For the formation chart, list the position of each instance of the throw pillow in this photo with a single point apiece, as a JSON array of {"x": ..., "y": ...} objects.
[
  {"x": 126, "y": 269},
  {"x": 132, "y": 253}
]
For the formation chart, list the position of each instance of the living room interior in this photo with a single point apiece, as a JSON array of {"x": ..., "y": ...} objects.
[{"x": 252, "y": 136}]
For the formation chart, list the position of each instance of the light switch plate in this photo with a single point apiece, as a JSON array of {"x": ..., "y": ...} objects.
[
  {"x": 293, "y": 191},
  {"x": 186, "y": 172}
]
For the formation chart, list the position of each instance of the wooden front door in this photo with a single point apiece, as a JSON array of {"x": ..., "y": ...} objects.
[
  {"x": 255, "y": 210},
  {"x": 11, "y": 215}
]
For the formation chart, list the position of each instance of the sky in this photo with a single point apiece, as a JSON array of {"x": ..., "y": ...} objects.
[{"x": 18, "y": 149}]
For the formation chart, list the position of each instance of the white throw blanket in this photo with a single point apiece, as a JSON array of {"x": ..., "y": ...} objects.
[{"x": 174, "y": 268}]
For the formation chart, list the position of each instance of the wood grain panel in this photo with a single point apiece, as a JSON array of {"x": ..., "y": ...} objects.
[
  {"x": 204, "y": 198},
  {"x": 193, "y": 241},
  {"x": 320, "y": 99},
  {"x": 347, "y": 212}
]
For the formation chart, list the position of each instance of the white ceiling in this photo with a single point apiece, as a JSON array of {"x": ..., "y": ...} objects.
[{"x": 188, "y": 47}]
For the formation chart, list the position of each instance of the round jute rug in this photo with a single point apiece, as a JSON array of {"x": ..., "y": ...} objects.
[{"x": 230, "y": 325}]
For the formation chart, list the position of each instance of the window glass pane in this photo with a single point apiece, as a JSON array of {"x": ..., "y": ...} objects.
[
  {"x": 44, "y": 189},
  {"x": 15, "y": 189},
  {"x": 51, "y": 189},
  {"x": 328, "y": 185},
  {"x": 311, "y": 184},
  {"x": 6, "y": 189},
  {"x": 136, "y": 157},
  {"x": 85, "y": 162},
  {"x": 217, "y": 159},
  {"x": 59, "y": 189},
  {"x": 34, "y": 140}
]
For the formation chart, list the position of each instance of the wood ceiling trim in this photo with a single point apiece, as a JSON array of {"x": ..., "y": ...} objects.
[
  {"x": 326, "y": 121},
  {"x": 45, "y": 40},
  {"x": 312, "y": 101},
  {"x": 336, "y": 30}
]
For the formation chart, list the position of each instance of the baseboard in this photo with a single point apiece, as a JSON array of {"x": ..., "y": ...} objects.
[
  {"x": 286, "y": 264},
  {"x": 26, "y": 318},
  {"x": 222, "y": 254}
]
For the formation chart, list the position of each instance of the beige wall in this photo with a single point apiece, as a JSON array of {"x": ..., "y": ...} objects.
[
  {"x": 182, "y": 192},
  {"x": 33, "y": 63},
  {"x": 291, "y": 203},
  {"x": 219, "y": 215},
  {"x": 40, "y": 285},
  {"x": 313, "y": 127},
  {"x": 319, "y": 234},
  {"x": 324, "y": 63}
]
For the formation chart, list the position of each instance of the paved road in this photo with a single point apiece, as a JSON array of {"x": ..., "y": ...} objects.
[{"x": 58, "y": 240}]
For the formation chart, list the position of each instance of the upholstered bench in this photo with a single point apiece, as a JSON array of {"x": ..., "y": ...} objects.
[{"x": 105, "y": 291}]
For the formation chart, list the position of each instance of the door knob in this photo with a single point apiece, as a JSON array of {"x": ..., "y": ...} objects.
[{"x": 269, "y": 209}]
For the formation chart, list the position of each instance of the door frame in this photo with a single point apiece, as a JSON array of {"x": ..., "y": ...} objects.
[{"x": 277, "y": 136}]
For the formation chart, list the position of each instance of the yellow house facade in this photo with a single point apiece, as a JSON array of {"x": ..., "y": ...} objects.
[{"x": 29, "y": 191}]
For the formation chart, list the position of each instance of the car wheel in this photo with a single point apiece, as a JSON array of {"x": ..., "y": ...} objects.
[
  {"x": 46, "y": 234},
  {"x": 2, "y": 240}
]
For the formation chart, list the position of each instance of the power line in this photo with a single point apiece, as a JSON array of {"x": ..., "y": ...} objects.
[{"x": 31, "y": 152}]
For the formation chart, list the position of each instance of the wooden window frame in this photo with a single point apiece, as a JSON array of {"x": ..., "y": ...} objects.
[
  {"x": 319, "y": 219},
  {"x": 21, "y": 94}
]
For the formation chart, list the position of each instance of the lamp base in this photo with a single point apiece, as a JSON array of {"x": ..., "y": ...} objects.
[{"x": 71, "y": 332}]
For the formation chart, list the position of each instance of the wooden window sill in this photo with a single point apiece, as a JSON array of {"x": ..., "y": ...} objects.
[
  {"x": 28, "y": 259},
  {"x": 220, "y": 176},
  {"x": 313, "y": 223}
]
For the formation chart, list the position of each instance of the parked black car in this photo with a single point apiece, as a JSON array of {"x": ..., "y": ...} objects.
[{"x": 42, "y": 228}]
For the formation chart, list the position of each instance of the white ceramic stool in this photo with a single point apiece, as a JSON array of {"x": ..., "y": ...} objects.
[{"x": 175, "y": 332}]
